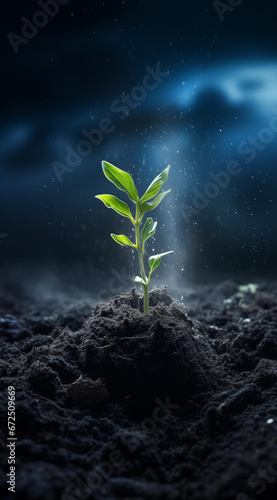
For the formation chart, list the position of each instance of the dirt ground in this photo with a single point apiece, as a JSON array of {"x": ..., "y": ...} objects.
[{"x": 110, "y": 403}]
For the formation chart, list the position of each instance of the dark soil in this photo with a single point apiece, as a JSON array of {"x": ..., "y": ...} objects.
[{"x": 112, "y": 403}]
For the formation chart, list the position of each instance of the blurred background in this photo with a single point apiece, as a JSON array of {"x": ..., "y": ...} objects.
[{"x": 141, "y": 85}]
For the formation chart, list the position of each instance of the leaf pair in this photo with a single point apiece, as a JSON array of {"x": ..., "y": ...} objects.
[
  {"x": 148, "y": 230},
  {"x": 124, "y": 181},
  {"x": 153, "y": 261}
]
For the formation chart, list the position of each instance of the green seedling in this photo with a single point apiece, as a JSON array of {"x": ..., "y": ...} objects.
[
  {"x": 124, "y": 181},
  {"x": 250, "y": 288}
]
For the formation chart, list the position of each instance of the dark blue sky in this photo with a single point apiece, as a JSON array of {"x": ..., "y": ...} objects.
[{"x": 142, "y": 85}]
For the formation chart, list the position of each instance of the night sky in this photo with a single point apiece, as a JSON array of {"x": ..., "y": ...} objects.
[{"x": 141, "y": 85}]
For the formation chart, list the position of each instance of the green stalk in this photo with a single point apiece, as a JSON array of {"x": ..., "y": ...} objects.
[
  {"x": 140, "y": 254},
  {"x": 146, "y": 310}
]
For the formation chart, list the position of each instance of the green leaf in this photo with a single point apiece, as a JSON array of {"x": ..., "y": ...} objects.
[
  {"x": 121, "y": 179},
  {"x": 119, "y": 206},
  {"x": 155, "y": 260},
  {"x": 123, "y": 240},
  {"x": 139, "y": 280},
  {"x": 148, "y": 229},
  {"x": 156, "y": 185},
  {"x": 146, "y": 206}
]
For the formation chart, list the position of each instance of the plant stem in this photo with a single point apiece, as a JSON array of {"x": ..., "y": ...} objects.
[
  {"x": 141, "y": 265},
  {"x": 146, "y": 310}
]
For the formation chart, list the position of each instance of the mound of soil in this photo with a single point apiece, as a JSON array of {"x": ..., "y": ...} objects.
[{"x": 112, "y": 403}]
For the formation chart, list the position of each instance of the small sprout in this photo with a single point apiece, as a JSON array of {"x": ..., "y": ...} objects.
[
  {"x": 123, "y": 181},
  {"x": 250, "y": 288},
  {"x": 228, "y": 303}
]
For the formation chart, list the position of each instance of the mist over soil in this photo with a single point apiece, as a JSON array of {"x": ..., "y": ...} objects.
[{"x": 180, "y": 403}]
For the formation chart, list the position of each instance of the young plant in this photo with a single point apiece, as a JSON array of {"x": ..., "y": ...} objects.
[{"x": 123, "y": 181}]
